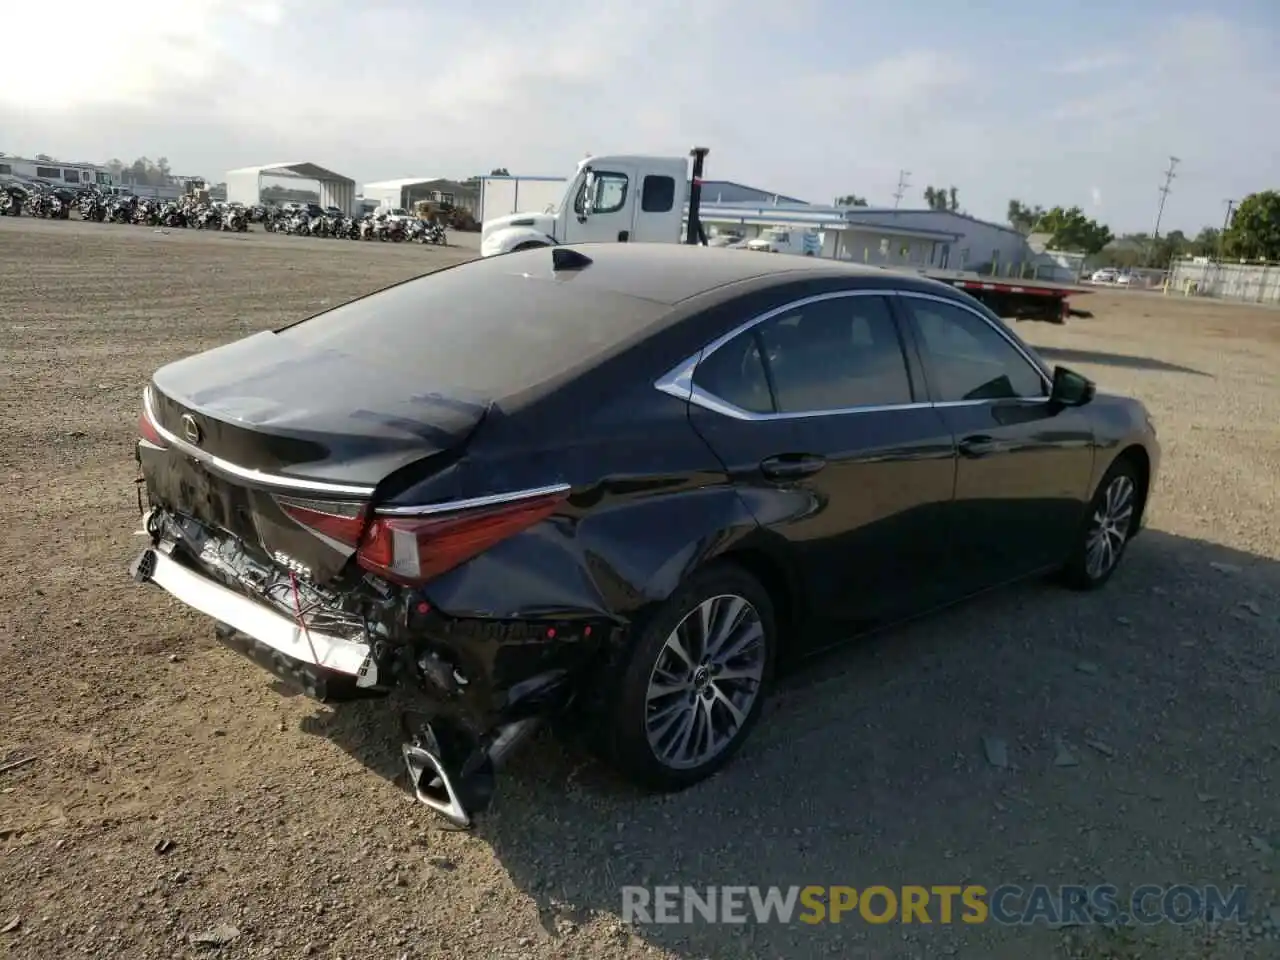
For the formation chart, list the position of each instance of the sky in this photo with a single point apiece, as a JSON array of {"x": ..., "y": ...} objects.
[{"x": 1074, "y": 104}]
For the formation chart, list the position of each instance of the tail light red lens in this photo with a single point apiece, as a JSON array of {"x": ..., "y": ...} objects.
[
  {"x": 337, "y": 520},
  {"x": 148, "y": 432},
  {"x": 413, "y": 550}
]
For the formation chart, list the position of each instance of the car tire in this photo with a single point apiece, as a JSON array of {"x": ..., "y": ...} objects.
[
  {"x": 638, "y": 735},
  {"x": 528, "y": 245},
  {"x": 1107, "y": 528}
]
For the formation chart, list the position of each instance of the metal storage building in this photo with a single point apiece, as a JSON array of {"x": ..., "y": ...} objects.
[{"x": 245, "y": 185}]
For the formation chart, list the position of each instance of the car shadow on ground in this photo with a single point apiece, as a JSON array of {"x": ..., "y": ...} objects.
[
  {"x": 1131, "y": 718},
  {"x": 1065, "y": 355}
]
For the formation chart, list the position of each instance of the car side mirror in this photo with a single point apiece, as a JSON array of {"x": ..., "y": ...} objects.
[
  {"x": 588, "y": 195},
  {"x": 1071, "y": 389}
]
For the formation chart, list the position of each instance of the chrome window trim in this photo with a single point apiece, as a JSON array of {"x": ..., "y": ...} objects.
[
  {"x": 249, "y": 475},
  {"x": 678, "y": 382},
  {"x": 474, "y": 503}
]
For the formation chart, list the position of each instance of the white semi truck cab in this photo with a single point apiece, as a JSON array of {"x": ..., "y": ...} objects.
[{"x": 620, "y": 199}]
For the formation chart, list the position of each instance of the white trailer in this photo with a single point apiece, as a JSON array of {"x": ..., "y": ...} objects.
[{"x": 503, "y": 196}]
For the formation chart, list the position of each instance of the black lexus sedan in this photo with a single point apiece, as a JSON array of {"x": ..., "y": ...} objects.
[{"x": 619, "y": 484}]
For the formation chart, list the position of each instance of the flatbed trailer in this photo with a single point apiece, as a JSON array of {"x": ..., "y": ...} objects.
[
  {"x": 1008, "y": 297},
  {"x": 1013, "y": 298}
]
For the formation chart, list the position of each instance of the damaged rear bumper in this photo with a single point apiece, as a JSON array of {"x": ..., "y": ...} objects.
[
  {"x": 453, "y": 746},
  {"x": 269, "y": 630}
]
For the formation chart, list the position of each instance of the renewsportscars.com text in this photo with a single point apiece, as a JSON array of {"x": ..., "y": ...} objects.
[{"x": 1008, "y": 905}]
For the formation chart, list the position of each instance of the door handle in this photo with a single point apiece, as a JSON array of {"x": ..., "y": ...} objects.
[
  {"x": 978, "y": 445},
  {"x": 791, "y": 466}
]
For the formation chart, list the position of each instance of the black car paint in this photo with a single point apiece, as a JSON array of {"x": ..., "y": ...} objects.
[
  {"x": 661, "y": 488},
  {"x": 271, "y": 404}
]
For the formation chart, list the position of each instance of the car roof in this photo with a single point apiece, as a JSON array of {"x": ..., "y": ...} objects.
[{"x": 668, "y": 273}]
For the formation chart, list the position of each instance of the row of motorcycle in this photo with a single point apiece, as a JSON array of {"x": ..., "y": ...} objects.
[
  {"x": 189, "y": 212},
  {"x": 16, "y": 202},
  {"x": 301, "y": 223},
  {"x": 185, "y": 212}
]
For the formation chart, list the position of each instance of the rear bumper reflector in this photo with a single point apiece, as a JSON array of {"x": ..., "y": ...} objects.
[{"x": 258, "y": 621}]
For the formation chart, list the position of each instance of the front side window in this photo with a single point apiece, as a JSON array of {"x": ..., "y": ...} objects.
[
  {"x": 608, "y": 194},
  {"x": 968, "y": 358}
]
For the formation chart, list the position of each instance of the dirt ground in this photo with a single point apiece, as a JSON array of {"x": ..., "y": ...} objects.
[{"x": 176, "y": 792}]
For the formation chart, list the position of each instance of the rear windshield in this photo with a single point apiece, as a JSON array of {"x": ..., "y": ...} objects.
[{"x": 481, "y": 328}]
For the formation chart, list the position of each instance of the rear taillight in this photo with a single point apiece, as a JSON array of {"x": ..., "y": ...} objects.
[
  {"x": 338, "y": 520},
  {"x": 413, "y": 550},
  {"x": 147, "y": 427}
]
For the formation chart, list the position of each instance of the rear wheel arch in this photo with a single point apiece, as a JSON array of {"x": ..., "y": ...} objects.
[{"x": 771, "y": 573}]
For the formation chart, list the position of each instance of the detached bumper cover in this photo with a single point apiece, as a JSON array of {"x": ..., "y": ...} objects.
[{"x": 327, "y": 651}]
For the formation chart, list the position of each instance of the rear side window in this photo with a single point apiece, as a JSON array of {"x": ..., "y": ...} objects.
[
  {"x": 735, "y": 374},
  {"x": 658, "y": 194},
  {"x": 836, "y": 354}
]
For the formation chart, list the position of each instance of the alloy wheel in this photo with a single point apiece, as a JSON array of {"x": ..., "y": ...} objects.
[
  {"x": 1109, "y": 528},
  {"x": 705, "y": 681}
]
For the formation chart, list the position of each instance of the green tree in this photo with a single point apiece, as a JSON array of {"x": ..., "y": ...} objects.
[
  {"x": 1022, "y": 217},
  {"x": 851, "y": 200},
  {"x": 499, "y": 172},
  {"x": 942, "y": 198},
  {"x": 1206, "y": 242},
  {"x": 1073, "y": 232},
  {"x": 1254, "y": 233}
]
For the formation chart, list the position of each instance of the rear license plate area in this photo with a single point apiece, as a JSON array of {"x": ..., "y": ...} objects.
[{"x": 204, "y": 496}]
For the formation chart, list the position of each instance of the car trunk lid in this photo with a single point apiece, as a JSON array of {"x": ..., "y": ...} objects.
[{"x": 283, "y": 445}]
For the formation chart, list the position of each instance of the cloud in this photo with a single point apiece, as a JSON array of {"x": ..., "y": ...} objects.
[
  {"x": 809, "y": 98},
  {"x": 1095, "y": 195},
  {"x": 1099, "y": 62}
]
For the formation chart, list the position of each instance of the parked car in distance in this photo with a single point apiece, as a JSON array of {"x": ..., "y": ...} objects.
[
  {"x": 619, "y": 484},
  {"x": 1106, "y": 275},
  {"x": 731, "y": 239}
]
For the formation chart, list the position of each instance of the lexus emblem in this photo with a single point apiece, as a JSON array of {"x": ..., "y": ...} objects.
[{"x": 190, "y": 429}]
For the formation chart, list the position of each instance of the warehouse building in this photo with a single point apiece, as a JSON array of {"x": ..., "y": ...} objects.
[
  {"x": 727, "y": 191},
  {"x": 938, "y": 239}
]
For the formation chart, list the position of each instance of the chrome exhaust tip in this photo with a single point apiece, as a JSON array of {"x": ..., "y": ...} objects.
[
  {"x": 433, "y": 786},
  {"x": 452, "y": 774}
]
